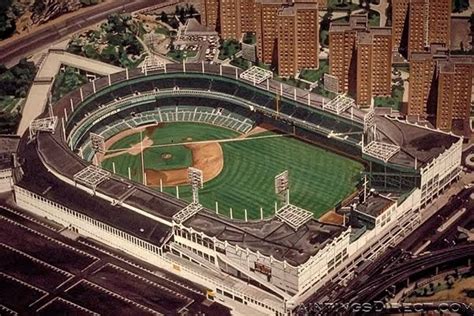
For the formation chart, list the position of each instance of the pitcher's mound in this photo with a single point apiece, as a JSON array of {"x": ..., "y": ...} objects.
[{"x": 166, "y": 156}]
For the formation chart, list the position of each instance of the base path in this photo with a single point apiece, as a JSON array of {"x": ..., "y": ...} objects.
[{"x": 209, "y": 158}]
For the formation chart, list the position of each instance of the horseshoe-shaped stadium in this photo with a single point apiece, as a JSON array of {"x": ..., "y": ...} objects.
[{"x": 266, "y": 262}]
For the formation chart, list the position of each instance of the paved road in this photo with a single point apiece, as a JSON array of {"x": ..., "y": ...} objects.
[{"x": 12, "y": 51}]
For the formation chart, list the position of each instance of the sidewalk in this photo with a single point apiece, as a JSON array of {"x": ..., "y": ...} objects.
[{"x": 37, "y": 98}]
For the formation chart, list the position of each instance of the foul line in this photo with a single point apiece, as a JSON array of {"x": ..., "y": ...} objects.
[{"x": 201, "y": 142}]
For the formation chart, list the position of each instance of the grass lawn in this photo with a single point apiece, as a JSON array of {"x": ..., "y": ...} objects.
[
  {"x": 314, "y": 75},
  {"x": 8, "y": 103},
  {"x": 228, "y": 49},
  {"x": 292, "y": 82},
  {"x": 249, "y": 38},
  {"x": 395, "y": 101},
  {"x": 179, "y": 55},
  {"x": 319, "y": 179},
  {"x": 374, "y": 18},
  {"x": 240, "y": 62},
  {"x": 162, "y": 30},
  {"x": 342, "y": 5}
]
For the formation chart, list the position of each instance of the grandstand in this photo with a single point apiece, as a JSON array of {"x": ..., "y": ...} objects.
[
  {"x": 205, "y": 115},
  {"x": 285, "y": 262}
]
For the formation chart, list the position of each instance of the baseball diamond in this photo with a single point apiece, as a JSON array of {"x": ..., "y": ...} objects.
[{"x": 239, "y": 169}]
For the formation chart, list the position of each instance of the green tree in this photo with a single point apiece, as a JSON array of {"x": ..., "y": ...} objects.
[
  {"x": 7, "y": 19},
  {"x": 164, "y": 17}
]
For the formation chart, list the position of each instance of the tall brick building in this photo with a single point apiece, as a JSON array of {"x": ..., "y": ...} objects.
[
  {"x": 419, "y": 23},
  {"x": 361, "y": 58},
  {"x": 298, "y": 38},
  {"x": 210, "y": 13},
  {"x": 267, "y": 28},
  {"x": 230, "y": 19},
  {"x": 236, "y": 17},
  {"x": 440, "y": 87},
  {"x": 287, "y": 31},
  {"x": 400, "y": 24}
]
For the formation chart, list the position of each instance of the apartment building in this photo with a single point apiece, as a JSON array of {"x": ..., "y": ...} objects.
[
  {"x": 361, "y": 58},
  {"x": 419, "y": 23},
  {"x": 440, "y": 87},
  {"x": 298, "y": 38}
]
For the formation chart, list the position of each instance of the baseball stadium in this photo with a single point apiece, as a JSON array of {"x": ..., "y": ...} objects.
[
  {"x": 155, "y": 140},
  {"x": 279, "y": 171}
]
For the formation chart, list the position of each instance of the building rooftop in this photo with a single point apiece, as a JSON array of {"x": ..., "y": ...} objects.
[
  {"x": 359, "y": 23},
  {"x": 193, "y": 27},
  {"x": 269, "y": 237},
  {"x": 415, "y": 141},
  {"x": 374, "y": 205}
]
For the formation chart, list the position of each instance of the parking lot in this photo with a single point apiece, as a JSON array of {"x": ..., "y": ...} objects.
[
  {"x": 204, "y": 47},
  {"x": 43, "y": 272}
]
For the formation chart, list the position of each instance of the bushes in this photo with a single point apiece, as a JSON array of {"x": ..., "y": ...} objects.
[
  {"x": 67, "y": 81},
  {"x": 17, "y": 80},
  {"x": 113, "y": 43}
]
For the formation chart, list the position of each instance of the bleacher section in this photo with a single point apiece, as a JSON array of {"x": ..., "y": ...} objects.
[
  {"x": 143, "y": 95},
  {"x": 168, "y": 114}
]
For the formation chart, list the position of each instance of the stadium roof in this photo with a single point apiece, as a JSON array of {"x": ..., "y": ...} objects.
[
  {"x": 39, "y": 180},
  {"x": 269, "y": 237},
  {"x": 415, "y": 141},
  {"x": 374, "y": 205}
]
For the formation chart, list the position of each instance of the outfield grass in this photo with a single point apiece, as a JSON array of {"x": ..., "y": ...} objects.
[
  {"x": 318, "y": 179},
  {"x": 176, "y": 133}
]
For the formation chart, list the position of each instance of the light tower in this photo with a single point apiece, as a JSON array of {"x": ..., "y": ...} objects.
[
  {"x": 97, "y": 145},
  {"x": 195, "y": 178},
  {"x": 282, "y": 187}
]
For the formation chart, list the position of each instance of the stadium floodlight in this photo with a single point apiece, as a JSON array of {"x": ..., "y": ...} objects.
[
  {"x": 294, "y": 216},
  {"x": 152, "y": 63},
  {"x": 282, "y": 186},
  {"x": 380, "y": 150},
  {"x": 196, "y": 179},
  {"x": 91, "y": 176},
  {"x": 369, "y": 120},
  {"x": 97, "y": 143},
  {"x": 340, "y": 103},
  {"x": 186, "y": 213},
  {"x": 256, "y": 75},
  {"x": 47, "y": 124}
]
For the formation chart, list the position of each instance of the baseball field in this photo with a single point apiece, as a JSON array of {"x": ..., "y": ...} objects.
[{"x": 238, "y": 170}]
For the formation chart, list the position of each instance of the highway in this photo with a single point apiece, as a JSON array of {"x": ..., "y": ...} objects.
[{"x": 11, "y": 51}]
